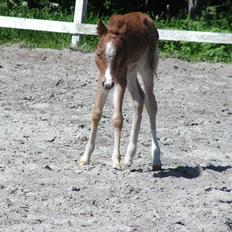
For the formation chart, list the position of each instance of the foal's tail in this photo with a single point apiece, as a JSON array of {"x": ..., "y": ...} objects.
[
  {"x": 155, "y": 60},
  {"x": 153, "y": 39}
]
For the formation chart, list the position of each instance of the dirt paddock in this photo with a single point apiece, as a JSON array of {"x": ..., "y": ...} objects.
[{"x": 45, "y": 102}]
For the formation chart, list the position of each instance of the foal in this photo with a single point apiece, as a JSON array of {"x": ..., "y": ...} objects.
[{"x": 126, "y": 49}]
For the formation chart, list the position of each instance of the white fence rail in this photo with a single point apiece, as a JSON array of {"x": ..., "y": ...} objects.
[
  {"x": 78, "y": 28},
  {"x": 47, "y": 25},
  {"x": 196, "y": 36}
]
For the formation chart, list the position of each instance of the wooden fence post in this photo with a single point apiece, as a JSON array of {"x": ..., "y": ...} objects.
[{"x": 79, "y": 15}]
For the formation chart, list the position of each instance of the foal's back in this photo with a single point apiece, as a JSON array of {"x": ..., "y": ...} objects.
[{"x": 138, "y": 32}]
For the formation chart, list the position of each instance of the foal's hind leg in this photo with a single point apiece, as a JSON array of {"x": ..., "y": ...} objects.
[
  {"x": 137, "y": 95},
  {"x": 151, "y": 106}
]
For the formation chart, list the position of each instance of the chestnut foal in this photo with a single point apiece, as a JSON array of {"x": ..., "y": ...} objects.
[{"x": 126, "y": 49}]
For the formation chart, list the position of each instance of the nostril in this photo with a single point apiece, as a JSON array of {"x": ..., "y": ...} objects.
[{"x": 103, "y": 84}]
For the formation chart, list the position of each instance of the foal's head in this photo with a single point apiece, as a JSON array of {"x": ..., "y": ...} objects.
[{"x": 110, "y": 57}]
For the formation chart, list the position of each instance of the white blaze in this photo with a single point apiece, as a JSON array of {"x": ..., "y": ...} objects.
[
  {"x": 110, "y": 51},
  {"x": 109, "y": 54},
  {"x": 108, "y": 76}
]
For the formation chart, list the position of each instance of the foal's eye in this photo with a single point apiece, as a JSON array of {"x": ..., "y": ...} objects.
[{"x": 98, "y": 54}]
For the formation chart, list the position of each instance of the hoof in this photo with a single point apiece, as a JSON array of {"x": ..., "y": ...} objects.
[
  {"x": 83, "y": 163},
  {"x": 126, "y": 165},
  {"x": 117, "y": 166},
  {"x": 156, "y": 167}
]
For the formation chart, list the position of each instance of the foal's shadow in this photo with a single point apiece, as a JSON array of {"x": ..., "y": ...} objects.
[{"x": 189, "y": 172}]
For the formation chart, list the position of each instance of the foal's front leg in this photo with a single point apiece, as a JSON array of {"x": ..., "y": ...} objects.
[
  {"x": 95, "y": 118},
  {"x": 117, "y": 121}
]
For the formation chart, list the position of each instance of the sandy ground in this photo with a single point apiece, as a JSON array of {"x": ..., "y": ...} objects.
[{"x": 45, "y": 102}]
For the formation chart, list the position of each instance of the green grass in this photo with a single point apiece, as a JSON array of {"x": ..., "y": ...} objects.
[
  {"x": 29, "y": 38},
  {"x": 197, "y": 51},
  {"x": 33, "y": 39},
  {"x": 183, "y": 50}
]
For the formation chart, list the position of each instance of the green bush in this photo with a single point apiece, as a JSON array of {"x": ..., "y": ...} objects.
[{"x": 210, "y": 20}]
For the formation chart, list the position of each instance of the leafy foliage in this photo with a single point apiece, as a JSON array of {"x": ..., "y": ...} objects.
[{"x": 211, "y": 19}]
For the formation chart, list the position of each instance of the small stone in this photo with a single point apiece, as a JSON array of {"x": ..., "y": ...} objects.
[
  {"x": 225, "y": 189},
  {"x": 48, "y": 167},
  {"x": 43, "y": 118},
  {"x": 52, "y": 139},
  {"x": 27, "y": 98},
  {"x": 155, "y": 214},
  {"x": 229, "y": 202},
  {"x": 166, "y": 141},
  {"x": 81, "y": 126},
  {"x": 26, "y": 190},
  {"x": 93, "y": 202},
  {"x": 194, "y": 124},
  {"x": 51, "y": 96},
  {"x": 175, "y": 67},
  {"x": 58, "y": 82},
  {"x": 209, "y": 189},
  {"x": 84, "y": 138},
  {"x": 228, "y": 222},
  {"x": 2, "y": 168},
  {"x": 180, "y": 223},
  {"x": 75, "y": 189},
  {"x": 145, "y": 144},
  {"x": 13, "y": 191}
]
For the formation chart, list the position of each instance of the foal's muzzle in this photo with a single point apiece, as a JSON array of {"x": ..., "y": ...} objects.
[{"x": 108, "y": 86}]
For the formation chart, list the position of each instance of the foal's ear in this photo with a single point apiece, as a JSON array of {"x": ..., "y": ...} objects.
[
  {"x": 123, "y": 29},
  {"x": 101, "y": 28}
]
